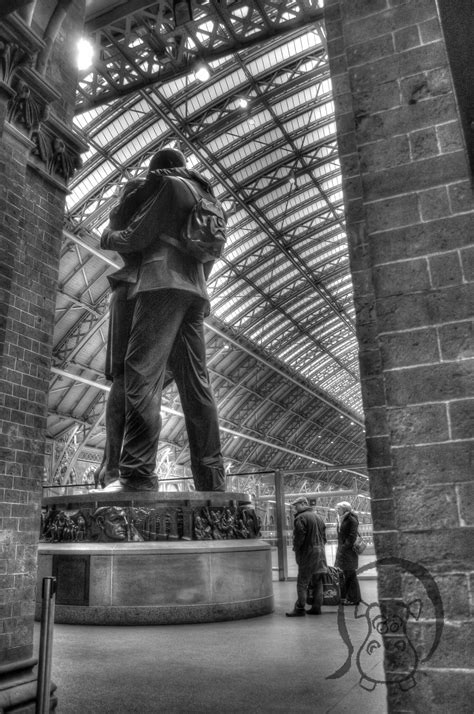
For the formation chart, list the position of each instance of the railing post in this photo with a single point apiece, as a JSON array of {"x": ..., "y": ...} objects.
[
  {"x": 43, "y": 693},
  {"x": 280, "y": 526}
]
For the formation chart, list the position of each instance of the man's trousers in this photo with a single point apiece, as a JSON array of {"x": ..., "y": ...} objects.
[{"x": 168, "y": 326}]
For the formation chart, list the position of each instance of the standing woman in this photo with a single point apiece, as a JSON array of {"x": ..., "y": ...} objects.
[{"x": 346, "y": 557}]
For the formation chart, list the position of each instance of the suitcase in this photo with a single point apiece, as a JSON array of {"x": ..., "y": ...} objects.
[{"x": 332, "y": 582}]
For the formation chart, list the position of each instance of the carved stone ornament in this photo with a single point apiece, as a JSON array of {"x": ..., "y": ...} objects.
[
  {"x": 63, "y": 160},
  {"x": 25, "y": 109},
  {"x": 57, "y": 147},
  {"x": 113, "y": 523},
  {"x": 42, "y": 145},
  {"x": 225, "y": 523},
  {"x": 12, "y": 58}
]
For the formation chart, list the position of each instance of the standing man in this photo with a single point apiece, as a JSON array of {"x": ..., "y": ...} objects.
[
  {"x": 309, "y": 539},
  {"x": 171, "y": 301}
]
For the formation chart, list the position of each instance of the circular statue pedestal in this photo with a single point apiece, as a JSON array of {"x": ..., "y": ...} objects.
[
  {"x": 158, "y": 583},
  {"x": 151, "y": 558}
]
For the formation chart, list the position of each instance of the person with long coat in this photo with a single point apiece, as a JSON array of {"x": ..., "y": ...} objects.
[
  {"x": 346, "y": 557},
  {"x": 309, "y": 539}
]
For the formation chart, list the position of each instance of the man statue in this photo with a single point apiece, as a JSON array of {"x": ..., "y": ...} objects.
[
  {"x": 309, "y": 539},
  {"x": 121, "y": 306},
  {"x": 170, "y": 303}
]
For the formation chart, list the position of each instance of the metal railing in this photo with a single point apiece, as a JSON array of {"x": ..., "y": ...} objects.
[{"x": 43, "y": 693}]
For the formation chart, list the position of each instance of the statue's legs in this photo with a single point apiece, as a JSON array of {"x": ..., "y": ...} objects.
[
  {"x": 120, "y": 321},
  {"x": 192, "y": 379},
  {"x": 161, "y": 318},
  {"x": 121, "y": 311},
  {"x": 114, "y": 425}
]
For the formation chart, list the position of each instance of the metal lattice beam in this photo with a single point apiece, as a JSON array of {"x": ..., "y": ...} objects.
[{"x": 139, "y": 44}]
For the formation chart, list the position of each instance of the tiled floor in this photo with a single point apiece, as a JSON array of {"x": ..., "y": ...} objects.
[{"x": 266, "y": 664}]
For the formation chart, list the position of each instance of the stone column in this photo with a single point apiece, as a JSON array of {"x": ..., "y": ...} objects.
[
  {"x": 38, "y": 154},
  {"x": 409, "y": 209}
]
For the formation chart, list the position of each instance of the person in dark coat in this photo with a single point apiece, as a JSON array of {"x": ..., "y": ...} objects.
[
  {"x": 171, "y": 301},
  {"x": 309, "y": 539},
  {"x": 346, "y": 557}
]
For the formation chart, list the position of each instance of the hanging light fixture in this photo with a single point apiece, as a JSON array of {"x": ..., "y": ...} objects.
[
  {"x": 85, "y": 53},
  {"x": 202, "y": 72}
]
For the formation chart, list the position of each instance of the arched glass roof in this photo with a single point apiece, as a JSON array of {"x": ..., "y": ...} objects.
[{"x": 281, "y": 338}]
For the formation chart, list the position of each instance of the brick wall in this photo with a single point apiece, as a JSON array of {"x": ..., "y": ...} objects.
[
  {"x": 32, "y": 196},
  {"x": 409, "y": 211},
  {"x": 30, "y": 232},
  {"x": 15, "y": 528}
]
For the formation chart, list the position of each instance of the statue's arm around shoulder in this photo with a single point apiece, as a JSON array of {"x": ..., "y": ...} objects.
[{"x": 140, "y": 232}]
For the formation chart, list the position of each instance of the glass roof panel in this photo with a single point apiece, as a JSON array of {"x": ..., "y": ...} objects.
[{"x": 282, "y": 290}]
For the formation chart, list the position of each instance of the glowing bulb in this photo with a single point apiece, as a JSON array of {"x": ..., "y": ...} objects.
[
  {"x": 202, "y": 73},
  {"x": 85, "y": 53}
]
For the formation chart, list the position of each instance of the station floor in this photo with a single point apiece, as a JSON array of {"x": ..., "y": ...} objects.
[{"x": 263, "y": 665}]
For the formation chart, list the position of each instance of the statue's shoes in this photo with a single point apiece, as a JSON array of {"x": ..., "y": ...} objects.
[
  {"x": 115, "y": 487},
  {"x": 118, "y": 487}
]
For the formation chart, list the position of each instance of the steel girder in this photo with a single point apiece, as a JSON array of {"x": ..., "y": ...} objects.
[
  {"x": 138, "y": 44},
  {"x": 283, "y": 326}
]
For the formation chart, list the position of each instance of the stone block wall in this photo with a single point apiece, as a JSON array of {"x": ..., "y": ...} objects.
[
  {"x": 38, "y": 154},
  {"x": 409, "y": 212}
]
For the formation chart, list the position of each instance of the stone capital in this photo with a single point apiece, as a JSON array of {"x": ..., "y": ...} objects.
[{"x": 55, "y": 147}]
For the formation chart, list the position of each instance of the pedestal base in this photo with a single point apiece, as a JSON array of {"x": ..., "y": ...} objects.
[{"x": 158, "y": 583}]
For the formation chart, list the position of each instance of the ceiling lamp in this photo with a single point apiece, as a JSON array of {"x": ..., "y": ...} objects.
[
  {"x": 202, "y": 72},
  {"x": 85, "y": 53},
  {"x": 243, "y": 103}
]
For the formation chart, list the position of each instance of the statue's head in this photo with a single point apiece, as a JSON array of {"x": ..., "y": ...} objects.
[
  {"x": 167, "y": 159},
  {"x": 112, "y": 522}
]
